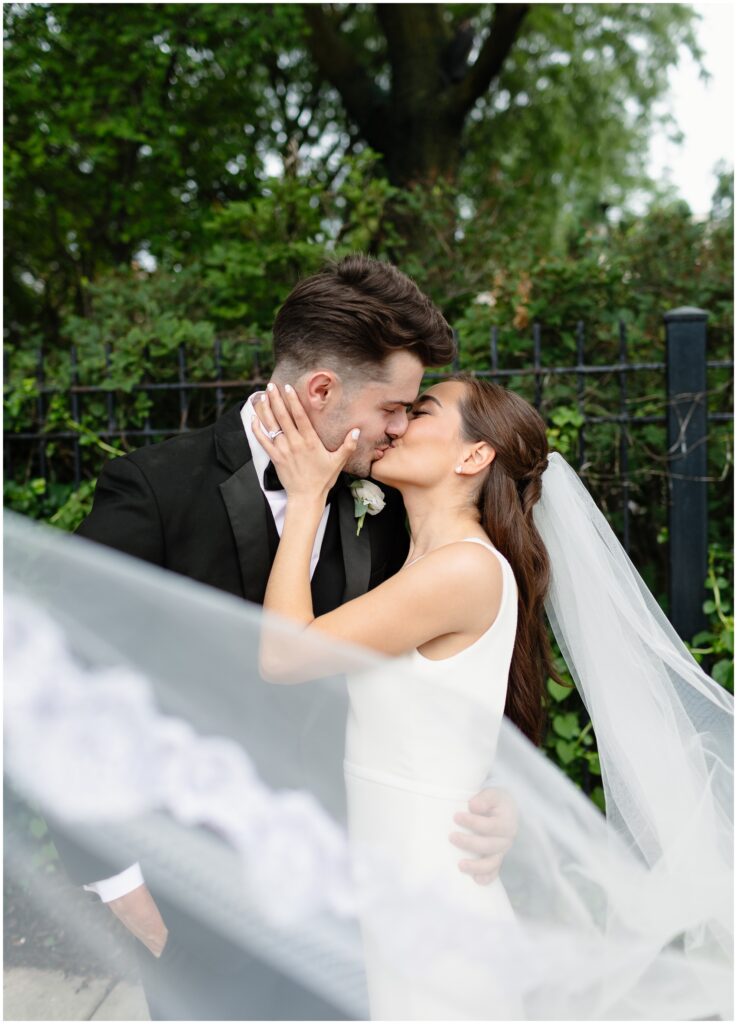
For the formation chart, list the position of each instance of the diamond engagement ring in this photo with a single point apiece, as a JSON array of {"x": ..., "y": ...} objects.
[{"x": 272, "y": 434}]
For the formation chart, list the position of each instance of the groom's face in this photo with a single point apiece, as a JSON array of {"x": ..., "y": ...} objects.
[{"x": 378, "y": 408}]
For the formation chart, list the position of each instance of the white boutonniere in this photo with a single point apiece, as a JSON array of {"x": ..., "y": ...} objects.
[{"x": 367, "y": 497}]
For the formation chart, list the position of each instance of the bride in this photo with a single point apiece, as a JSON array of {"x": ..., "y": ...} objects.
[
  {"x": 465, "y": 615},
  {"x": 466, "y": 612}
]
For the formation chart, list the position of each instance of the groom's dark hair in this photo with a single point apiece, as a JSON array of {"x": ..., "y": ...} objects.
[{"x": 354, "y": 313}]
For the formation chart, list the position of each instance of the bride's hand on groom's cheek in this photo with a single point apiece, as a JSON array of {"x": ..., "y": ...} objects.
[
  {"x": 305, "y": 467},
  {"x": 492, "y": 822}
]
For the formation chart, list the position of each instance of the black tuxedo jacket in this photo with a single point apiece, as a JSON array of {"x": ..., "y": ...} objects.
[{"x": 193, "y": 505}]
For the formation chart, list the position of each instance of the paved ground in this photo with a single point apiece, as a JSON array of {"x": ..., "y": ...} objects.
[
  {"x": 34, "y": 993},
  {"x": 65, "y": 956}
]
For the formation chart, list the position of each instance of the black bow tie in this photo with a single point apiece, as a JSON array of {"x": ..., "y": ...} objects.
[
  {"x": 271, "y": 480},
  {"x": 273, "y": 483}
]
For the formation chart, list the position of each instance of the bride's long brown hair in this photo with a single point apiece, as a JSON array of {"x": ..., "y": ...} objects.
[{"x": 504, "y": 501}]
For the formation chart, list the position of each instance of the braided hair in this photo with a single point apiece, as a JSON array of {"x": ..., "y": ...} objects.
[{"x": 504, "y": 502}]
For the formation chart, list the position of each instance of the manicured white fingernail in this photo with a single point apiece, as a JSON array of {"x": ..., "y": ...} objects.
[
  {"x": 288, "y": 387},
  {"x": 355, "y": 434},
  {"x": 269, "y": 386},
  {"x": 263, "y": 397}
]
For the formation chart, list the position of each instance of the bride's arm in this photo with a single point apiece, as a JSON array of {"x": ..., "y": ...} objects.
[
  {"x": 288, "y": 591},
  {"x": 307, "y": 470},
  {"x": 455, "y": 589}
]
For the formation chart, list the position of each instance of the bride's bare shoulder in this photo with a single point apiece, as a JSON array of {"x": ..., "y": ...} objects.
[
  {"x": 453, "y": 589},
  {"x": 462, "y": 564}
]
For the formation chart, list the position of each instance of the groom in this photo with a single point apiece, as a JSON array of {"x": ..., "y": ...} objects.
[{"x": 209, "y": 505}]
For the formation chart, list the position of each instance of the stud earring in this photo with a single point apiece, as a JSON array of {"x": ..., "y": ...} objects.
[{"x": 459, "y": 469}]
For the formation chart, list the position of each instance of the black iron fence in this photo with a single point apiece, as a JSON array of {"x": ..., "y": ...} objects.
[{"x": 677, "y": 407}]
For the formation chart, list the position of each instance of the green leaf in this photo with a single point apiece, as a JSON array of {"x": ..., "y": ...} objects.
[
  {"x": 558, "y": 692},
  {"x": 37, "y": 828},
  {"x": 723, "y": 672},
  {"x": 566, "y": 751},
  {"x": 567, "y": 725},
  {"x": 49, "y": 852},
  {"x": 597, "y": 795}
]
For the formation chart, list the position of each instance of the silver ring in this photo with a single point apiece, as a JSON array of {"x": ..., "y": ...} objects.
[{"x": 272, "y": 434}]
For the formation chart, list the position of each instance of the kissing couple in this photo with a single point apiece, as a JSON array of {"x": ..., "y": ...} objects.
[{"x": 441, "y": 561}]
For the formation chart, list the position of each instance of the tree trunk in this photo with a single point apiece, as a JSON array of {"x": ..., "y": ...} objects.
[
  {"x": 426, "y": 146},
  {"x": 417, "y": 124}
]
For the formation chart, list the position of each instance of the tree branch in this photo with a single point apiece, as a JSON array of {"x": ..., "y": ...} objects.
[
  {"x": 504, "y": 30},
  {"x": 337, "y": 63}
]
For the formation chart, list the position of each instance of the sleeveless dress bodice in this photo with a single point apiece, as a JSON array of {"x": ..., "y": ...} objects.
[
  {"x": 420, "y": 742},
  {"x": 437, "y": 729}
]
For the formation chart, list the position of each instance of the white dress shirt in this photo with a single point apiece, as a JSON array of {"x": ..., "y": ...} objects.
[{"x": 119, "y": 885}]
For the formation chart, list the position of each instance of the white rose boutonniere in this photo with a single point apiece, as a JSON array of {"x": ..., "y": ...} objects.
[{"x": 367, "y": 497}]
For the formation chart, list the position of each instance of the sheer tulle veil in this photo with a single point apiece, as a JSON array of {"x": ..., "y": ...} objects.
[
  {"x": 664, "y": 729},
  {"x": 136, "y": 714}
]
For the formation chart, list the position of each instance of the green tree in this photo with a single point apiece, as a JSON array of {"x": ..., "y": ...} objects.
[
  {"x": 127, "y": 125},
  {"x": 538, "y": 91}
]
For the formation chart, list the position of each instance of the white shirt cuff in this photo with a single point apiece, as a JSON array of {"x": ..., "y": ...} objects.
[{"x": 119, "y": 885}]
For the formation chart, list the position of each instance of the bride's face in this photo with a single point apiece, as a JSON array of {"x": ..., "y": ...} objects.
[{"x": 431, "y": 447}]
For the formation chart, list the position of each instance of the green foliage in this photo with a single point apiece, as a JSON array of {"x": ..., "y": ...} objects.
[
  {"x": 62, "y": 504},
  {"x": 714, "y": 647},
  {"x": 128, "y": 126},
  {"x": 258, "y": 250},
  {"x": 570, "y": 742},
  {"x": 28, "y": 824},
  {"x": 565, "y": 130},
  {"x": 124, "y": 125},
  {"x": 563, "y": 433},
  {"x": 76, "y": 507}
]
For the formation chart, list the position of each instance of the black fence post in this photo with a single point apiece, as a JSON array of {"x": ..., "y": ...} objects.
[{"x": 685, "y": 332}]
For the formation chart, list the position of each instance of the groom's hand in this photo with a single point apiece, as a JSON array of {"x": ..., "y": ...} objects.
[
  {"x": 492, "y": 820},
  {"x": 140, "y": 915}
]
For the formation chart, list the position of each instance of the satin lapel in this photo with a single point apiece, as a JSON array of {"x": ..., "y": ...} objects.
[
  {"x": 356, "y": 550},
  {"x": 247, "y": 511}
]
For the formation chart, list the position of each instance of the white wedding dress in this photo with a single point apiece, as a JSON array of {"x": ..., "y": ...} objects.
[{"x": 418, "y": 748}]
